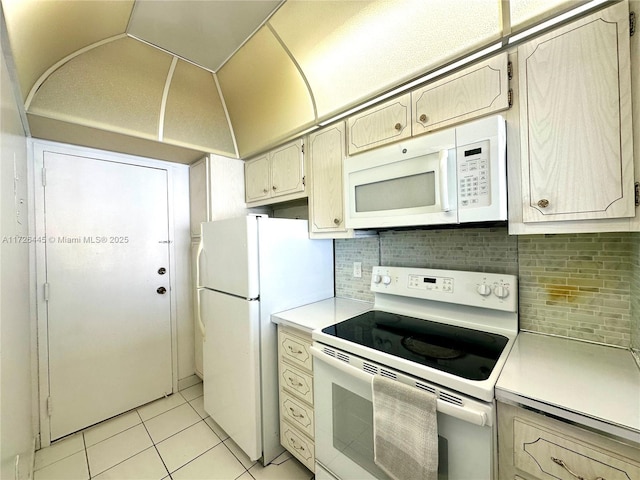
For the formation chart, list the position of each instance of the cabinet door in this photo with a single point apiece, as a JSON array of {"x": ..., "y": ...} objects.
[
  {"x": 575, "y": 115},
  {"x": 257, "y": 179},
  {"x": 287, "y": 169},
  {"x": 198, "y": 194},
  {"x": 382, "y": 124},
  {"x": 326, "y": 201},
  {"x": 478, "y": 90}
]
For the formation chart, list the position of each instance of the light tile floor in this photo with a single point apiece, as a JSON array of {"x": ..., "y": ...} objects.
[{"x": 171, "y": 438}]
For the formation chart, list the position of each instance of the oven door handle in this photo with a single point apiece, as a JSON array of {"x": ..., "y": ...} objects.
[{"x": 466, "y": 414}]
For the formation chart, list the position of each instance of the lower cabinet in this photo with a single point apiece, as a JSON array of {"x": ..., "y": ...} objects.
[
  {"x": 295, "y": 370},
  {"x": 533, "y": 446}
]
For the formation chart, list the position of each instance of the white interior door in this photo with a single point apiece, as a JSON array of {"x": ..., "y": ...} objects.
[{"x": 109, "y": 325}]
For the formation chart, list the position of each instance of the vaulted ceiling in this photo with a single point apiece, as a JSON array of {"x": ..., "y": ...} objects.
[{"x": 176, "y": 78}]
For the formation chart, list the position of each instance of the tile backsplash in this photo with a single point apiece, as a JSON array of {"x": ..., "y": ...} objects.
[{"x": 580, "y": 286}]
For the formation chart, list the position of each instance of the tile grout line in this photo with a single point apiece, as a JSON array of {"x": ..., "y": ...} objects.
[
  {"x": 156, "y": 448},
  {"x": 86, "y": 455}
]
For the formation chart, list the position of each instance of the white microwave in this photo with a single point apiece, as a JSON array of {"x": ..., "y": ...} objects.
[{"x": 457, "y": 175}]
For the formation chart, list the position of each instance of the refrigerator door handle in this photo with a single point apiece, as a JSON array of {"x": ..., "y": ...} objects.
[
  {"x": 199, "y": 315},
  {"x": 198, "y": 303}
]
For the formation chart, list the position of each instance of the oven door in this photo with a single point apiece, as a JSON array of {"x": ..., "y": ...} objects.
[{"x": 344, "y": 428}]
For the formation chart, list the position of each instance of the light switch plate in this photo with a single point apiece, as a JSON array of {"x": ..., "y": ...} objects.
[{"x": 357, "y": 269}]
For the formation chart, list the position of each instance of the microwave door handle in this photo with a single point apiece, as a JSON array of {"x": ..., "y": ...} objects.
[{"x": 444, "y": 180}]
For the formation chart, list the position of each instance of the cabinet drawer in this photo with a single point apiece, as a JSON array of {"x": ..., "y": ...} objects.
[
  {"x": 382, "y": 124},
  {"x": 297, "y": 413},
  {"x": 295, "y": 350},
  {"x": 548, "y": 455},
  {"x": 297, "y": 382},
  {"x": 300, "y": 446}
]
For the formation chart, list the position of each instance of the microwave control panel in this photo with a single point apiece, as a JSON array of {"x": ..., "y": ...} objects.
[{"x": 474, "y": 177}]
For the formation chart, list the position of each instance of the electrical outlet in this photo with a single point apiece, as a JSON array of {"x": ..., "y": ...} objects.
[{"x": 357, "y": 269}]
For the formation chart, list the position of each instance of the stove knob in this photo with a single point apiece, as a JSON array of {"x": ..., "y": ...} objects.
[
  {"x": 501, "y": 291},
  {"x": 376, "y": 279},
  {"x": 484, "y": 289},
  {"x": 386, "y": 279}
]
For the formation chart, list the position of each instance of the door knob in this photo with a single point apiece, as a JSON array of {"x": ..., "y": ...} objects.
[
  {"x": 162, "y": 271},
  {"x": 161, "y": 290}
]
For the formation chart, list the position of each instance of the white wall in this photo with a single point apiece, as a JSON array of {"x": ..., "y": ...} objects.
[{"x": 15, "y": 330}]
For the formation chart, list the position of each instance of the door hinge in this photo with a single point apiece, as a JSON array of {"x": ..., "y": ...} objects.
[
  {"x": 637, "y": 185},
  {"x": 46, "y": 292},
  {"x": 302, "y": 147},
  {"x": 632, "y": 23},
  {"x": 44, "y": 177},
  {"x": 49, "y": 406},
  {"x": 304, "y": 180},
  {"x": 510, "y": 97},
  {"x": 509, "y": 70}
]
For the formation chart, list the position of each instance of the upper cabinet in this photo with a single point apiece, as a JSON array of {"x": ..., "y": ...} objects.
[
  {"x": 576, "y": 136},
  {"x": 478, "y": 90},
  {"x": 276, "y": 176},
  {"x": 326, "y": 193},
  {"x": 385, "y": 123}
]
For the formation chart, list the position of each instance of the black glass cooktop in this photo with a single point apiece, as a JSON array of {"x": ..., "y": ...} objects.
[{"x": 464, "y": 352}]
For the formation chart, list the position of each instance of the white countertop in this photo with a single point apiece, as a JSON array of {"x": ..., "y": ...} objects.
[
  {"x": 321, "y": 314},
  {"x": 595, "y": 385}
]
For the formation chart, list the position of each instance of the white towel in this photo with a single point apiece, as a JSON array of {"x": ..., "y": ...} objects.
[{"x": 405, "y": 430}]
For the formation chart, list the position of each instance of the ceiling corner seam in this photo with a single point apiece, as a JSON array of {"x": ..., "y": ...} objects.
[
  {"x": 226, "y": 114},
  {"x": 295, "y": 62},
  {"x": 12, "y": 71},
  {"x": 165, "y": 95},
  {"x": 58, "y": 64}
]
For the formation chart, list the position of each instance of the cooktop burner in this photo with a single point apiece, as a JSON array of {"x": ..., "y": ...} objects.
[{"x": 467, "y": 353}]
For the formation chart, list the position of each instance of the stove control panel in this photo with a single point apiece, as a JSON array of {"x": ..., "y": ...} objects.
[
  {"x": 477, "y": 289},
  {"x": 431, "y": 283}
]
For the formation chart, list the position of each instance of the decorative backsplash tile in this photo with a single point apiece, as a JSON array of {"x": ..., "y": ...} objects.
[
  {"x": 476, "y": 249},
  {"x": 578, "y": 286}
]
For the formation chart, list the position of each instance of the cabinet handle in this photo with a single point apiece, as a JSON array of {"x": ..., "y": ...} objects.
[
  {"x": 544, "y": 203},
  {"x": 294, "y": 414},
  {"x": 294, "y": 383},
  {"x": 274, "y": 187},
  {"x": 294, "y": 352},
  {"x": 336, "y": 221},
  {"x": 423, "y": 118},
  {"x": 295, "y": 445},
  {"x": 265, "y": 190},
  {"x": 398, "y": 126},
  {"x": 564, "y": 465}
]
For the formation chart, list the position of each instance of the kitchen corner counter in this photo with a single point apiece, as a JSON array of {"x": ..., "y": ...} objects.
[
  {"x": 593, "y": 385},
  {"x": 320, "y": 314}
]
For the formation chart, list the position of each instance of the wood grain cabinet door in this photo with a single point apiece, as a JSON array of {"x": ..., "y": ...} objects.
[
  {"x": 326, "y": 201},
  {"x": 287, "y": 170},
  {"x": 575, "y": 115},
  {"x": 478, "y": 90},
  {"x": 257, "y": 174},
  {"x": 385, "y": 123}
]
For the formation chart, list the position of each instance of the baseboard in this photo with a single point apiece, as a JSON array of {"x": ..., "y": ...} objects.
[{"x": 188, "y": 382}]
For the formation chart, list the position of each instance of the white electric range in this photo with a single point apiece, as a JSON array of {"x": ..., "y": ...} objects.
[{"x": 443, "y": 331}]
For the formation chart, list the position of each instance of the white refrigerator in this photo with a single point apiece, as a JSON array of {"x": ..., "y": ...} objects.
[{"x": 249, "y": 268}]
